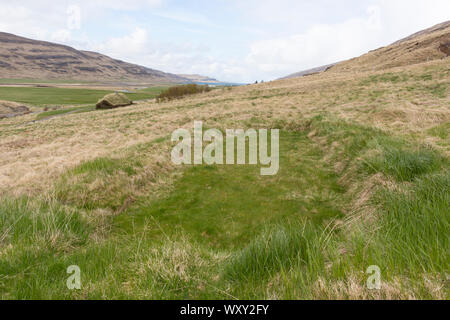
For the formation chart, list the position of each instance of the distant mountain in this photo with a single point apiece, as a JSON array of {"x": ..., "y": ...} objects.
[
  {"x": 426, "y": 45},
  {"x": 309, "y": 71},
  {"x": 25, "y": 58},
  {"x": 199, "y": 78}
]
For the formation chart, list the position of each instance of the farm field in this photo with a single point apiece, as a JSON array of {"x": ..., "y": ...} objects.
[{"x": 67, "y": 96}]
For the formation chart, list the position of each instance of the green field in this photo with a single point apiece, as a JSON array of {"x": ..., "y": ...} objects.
[
  {"x": 67, "y": 96},
  {"x": 40, "y": 81}
]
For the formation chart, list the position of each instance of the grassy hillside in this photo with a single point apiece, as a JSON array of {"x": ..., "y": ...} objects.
[{"x": 364, "y": 180}]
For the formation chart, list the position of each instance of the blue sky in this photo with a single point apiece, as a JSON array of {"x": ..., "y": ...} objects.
[{"x": 231, "y": 40}]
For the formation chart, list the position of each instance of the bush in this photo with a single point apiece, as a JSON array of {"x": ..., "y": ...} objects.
[{"x": 180, "y": 91}]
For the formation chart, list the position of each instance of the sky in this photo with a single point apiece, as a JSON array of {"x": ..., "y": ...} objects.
[{"x": 230, "y": 40}]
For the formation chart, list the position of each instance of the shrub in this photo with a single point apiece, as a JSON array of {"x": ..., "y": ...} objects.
[{"x": 177, "y": 92}]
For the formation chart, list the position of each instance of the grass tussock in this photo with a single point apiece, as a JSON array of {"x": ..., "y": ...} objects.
[
  {"x": 442, "y": 131},
  {"x": 405, "y": 164},
  {"x": 281, "y": 248},
  {"x": 114, "y": 183},
  {"x": 26, "y": 222},
  {"x": 413, "y": 225},
  {"x": 92, "y": 184}
]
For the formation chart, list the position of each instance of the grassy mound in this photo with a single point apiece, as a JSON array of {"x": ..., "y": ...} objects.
[
  {"x": 9, "y": 109},
  {"x": 113, "y": 100}
]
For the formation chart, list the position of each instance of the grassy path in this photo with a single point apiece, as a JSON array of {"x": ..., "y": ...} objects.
[
  {"x": 226, "y": 206},
  {"x": 179, "y": 246}
]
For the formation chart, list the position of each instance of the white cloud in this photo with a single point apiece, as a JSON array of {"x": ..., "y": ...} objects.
[
  {"x": 122, "y": 5},
  {"x": 62, "y": 35},
  {"x": 39, "y": 19},
  {"x": 21, "y": 19},
  {"x": 185, "y": 17},
  {"x": 127, "y": 46},
  {"x": 320, "y": 44}
]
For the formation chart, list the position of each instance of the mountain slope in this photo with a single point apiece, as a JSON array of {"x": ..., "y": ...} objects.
[
  {"x": 25, "y": 58},
  {"x": 426, "y": 45}
]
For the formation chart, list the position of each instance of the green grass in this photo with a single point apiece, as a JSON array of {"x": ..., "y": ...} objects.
[
  {"x": 439, "y": 90},
  {"x": 385, "y": 78},
  {"x": 72, "y": 188},
  {"x": 227, "y": 206},
  {"x": 66, "y": 96},
  {"x": 36, "y": 223},
  {"x": 53, "y": 113},
  {"x": 415, "y": 224},
  {"x": 280, "y": 247},
  {"x": 442, "y": 131},
  {"x": 405, "y": 164},
  {"x": 107, "y": 166}
]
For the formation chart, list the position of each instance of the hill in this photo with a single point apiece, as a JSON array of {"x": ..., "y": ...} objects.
[
  {"x": 429, "y": 44},
  {"x": 26, "y": 58}
]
